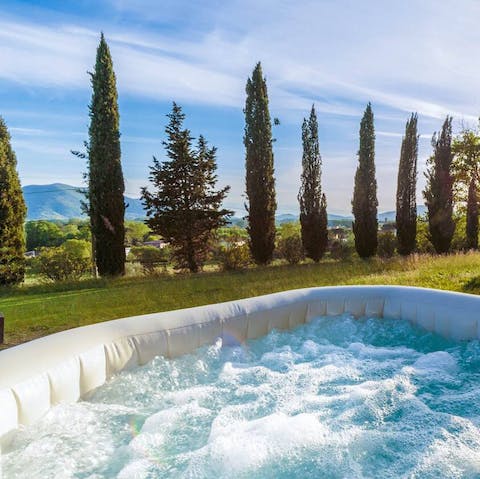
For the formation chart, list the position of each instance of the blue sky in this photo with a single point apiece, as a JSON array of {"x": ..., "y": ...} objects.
[{"x": 414, "y": 55}]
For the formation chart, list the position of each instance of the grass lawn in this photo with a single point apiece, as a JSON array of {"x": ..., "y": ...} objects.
[{"x": 36, "y": 310}]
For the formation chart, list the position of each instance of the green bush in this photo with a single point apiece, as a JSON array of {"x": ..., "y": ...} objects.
[
  {"x": 387, "y": 243},
  {"x": 149, "y": 257},
  {"x": 12, "y": 267},
  {"x": 424, "y": 245},
  {"x": 70, "y": 261},
  {"x": 291, "y": 248},
  {"x": 341, "y": 250},
  {"x": 235, "y": 256}
]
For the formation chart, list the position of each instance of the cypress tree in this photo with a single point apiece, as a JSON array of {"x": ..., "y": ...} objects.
[
  {"x": 364, "y": 202},
  {"x": 406, "y": 219},
  {"x": 185, "y": 207},
  {"x": 472, "y": 216},
  {"x": 260, "y": 181},
  {"x": 106, "y": 205},
  {"x": 313, "y": 204},
  {"x": 12, "y": 214},
  {"x": 438, "y": 193}
]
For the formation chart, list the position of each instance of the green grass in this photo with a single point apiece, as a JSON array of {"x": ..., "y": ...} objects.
[{"x": 36, "y": 310}]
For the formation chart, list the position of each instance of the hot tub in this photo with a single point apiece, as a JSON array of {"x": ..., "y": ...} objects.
[{"x": 317, "y": 398}]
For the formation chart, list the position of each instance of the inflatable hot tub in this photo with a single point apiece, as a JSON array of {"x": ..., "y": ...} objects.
[{"x": 70, "y": 365}]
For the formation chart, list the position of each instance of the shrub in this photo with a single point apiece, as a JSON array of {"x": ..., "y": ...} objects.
[
  {"x": 387, "y": 243},
  {"x": 70, "y": 261},
  {"x": 291, "y": 248},
  {"x": 235, "y": 256},
  {"x": 149, "y": 257},
  {"x": 341, "y": 250},
  {"x": 424, "y": 245},
  {"x": 12, "y": 267}
]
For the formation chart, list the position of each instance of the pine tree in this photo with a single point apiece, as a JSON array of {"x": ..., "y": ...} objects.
[
  {"x": 438, "y": 193},
  {"x": 472, "y": 216},
  {"x": 260, "y": 181},
  {"x": 185, "y": 207},
  {"x": 364, "y": 203},
  {"x": 406, "y": 218},
  {"x": 106, "y": 205},
  {"x": 313, "y": 207},
  {"x": 12, "y": 214}
]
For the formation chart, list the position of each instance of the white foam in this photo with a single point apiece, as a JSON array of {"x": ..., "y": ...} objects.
[
  {"x": 339, "y": 396},
  {"x": 438, "y": 361}
]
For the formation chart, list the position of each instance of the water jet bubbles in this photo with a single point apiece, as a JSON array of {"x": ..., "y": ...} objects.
[{"x": 347, "y": 397}]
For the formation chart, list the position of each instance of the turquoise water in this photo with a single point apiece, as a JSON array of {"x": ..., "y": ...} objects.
[{"x": 335, "y": 398}]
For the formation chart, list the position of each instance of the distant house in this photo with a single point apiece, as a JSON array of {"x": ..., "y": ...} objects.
[
  {"x": 338, "y": 234},
  {"x": 31, "y": 254},
  {"x": 389, "y": 227},
  {"x": 160, "y": 244}
]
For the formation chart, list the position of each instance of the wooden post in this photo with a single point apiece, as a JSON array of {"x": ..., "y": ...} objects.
[{"x": 2, "y": 327}]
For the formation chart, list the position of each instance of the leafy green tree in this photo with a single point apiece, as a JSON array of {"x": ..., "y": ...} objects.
[
  {"x": 438, "y": 192},
  {"x": 289, "y": 228},
  {"x": 185, "y": 206},
  {"x": 365, "y": 203},
  {"x": 12, "y": 214},
  {"x": 466, "y": 172},
  {"x": 106, "y": 205},
  {"x": 313, "y": 204},
  {"x": 42, "y": 233},
  {"x": 260, "y": 181},
  {"x": 136, "y": 232},
  {"x": 232, "y": 233},
  {"x": 406, "y": 215}
]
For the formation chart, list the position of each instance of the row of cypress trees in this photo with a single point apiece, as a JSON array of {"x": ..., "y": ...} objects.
[
  {"x": 185, "y": 208},
  {"x": 438, "y": 192}
]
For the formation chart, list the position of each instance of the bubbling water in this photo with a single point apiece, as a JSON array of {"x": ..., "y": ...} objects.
[{"x": 336, "y": 398}]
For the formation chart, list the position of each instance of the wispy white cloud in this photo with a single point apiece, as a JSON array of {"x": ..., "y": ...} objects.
[{"x": 317, "y": 48}]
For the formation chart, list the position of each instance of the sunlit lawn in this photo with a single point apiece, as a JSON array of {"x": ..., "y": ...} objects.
[{"x": 35, "y": 310}]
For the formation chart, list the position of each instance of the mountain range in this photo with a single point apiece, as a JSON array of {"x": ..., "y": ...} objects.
[
  {"x": 58, "y": 201},
  {"x": 62, "y": 202}
]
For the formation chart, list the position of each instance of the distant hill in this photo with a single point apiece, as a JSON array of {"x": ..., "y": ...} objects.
[
  {"x": 390, "y": 216},
  {"x": 62, "y": 202}
]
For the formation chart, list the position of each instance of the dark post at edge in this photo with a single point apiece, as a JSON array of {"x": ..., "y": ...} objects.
[{"x": 2, "y": 327}]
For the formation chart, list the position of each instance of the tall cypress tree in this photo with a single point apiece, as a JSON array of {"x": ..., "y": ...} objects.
[
  {"x": 438, "y": 193},
  {"x": 12, "y": 214},
  {"x": 106, "y": 205},
  {"x": 260, "y": 181},
  {"x": 472, "y": 216},
  {"x": 406, "y": 218},
  {"x": 313, "y": 205},
  {"x": 364, "y": 202},
  {"x": 185, "y": 206}
]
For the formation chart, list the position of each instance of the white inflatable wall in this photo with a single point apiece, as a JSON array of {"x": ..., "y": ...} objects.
[{"x": 69, "y": 365}]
